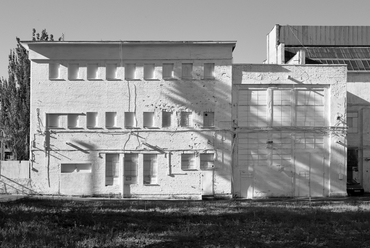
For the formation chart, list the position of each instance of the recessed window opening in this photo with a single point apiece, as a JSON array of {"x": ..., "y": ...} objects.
[
  {"x": 110, "y": 119},
  {"x": 206, "y": 161},
  {"x": 168, "y": 71},
  {"x": 149, "y": 71},
  {"x": 92, "y": 71},
  {"x": 185, "y": 119},
  {"x": 150, "y": 168},
  {"x": 111, "y": 71},
  {"x": 76, "y": 168},
  {"x": 188, "y": 162},
  {"x": 166, "y": 119},
  {"x": 130, "y": 71},
  {"x": 187, "y": 70},
  {"x": 53, "y": 121},
  {"x": 92, "y": 119},
  {"x": 209, "y": 70},
  {"x": 54, "y": 70},
  {"x": 130, "y": 168},
  {"x": 149, "y": 119},
  {"x": 111, "y": 169},
  {"x": 130, "y": 119},
  {"x": 73, "y": 121},
  {"x": 73, "y": 71},
  {"x": 208, "y": 119}
]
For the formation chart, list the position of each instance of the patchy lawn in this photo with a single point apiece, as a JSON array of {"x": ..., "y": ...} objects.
[{"x": 116, "y": 223}]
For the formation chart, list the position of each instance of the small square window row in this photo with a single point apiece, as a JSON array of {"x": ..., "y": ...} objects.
[
  {"x": 150, "y": 120},
  {"x": 94, "y": 71}
]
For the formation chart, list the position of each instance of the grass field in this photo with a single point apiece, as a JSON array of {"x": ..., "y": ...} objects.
[{"x": 105, "y": 223}]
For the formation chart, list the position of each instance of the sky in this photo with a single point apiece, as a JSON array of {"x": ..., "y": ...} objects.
[{"x": 245, "y": 21}]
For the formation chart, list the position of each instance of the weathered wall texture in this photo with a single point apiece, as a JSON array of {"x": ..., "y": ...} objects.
[
  {"x": 53, "y": 147},
  {"x": 290, "y": 126},
  {"x": 15, "y": 177}
]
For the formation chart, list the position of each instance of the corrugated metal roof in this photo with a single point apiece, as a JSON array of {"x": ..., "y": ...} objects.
[
  {"x": 333, "y": 52},
  {"x": 356, "y": 58},
  {"x": 324, "y": 35}
]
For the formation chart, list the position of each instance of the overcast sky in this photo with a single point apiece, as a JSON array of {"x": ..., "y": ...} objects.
[{"x": 245, "y": 21}]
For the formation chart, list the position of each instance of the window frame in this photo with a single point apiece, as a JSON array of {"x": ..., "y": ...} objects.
[{"x": 153, "y": 169}]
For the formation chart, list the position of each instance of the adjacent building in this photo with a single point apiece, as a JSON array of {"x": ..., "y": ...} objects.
[{"x": 345, "y": 45}]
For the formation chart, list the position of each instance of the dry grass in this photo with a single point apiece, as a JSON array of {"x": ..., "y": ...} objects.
[{"x": 66, "y": 223}]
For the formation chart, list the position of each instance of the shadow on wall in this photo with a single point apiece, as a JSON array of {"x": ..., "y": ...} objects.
[{"x": 285, "y": 158}]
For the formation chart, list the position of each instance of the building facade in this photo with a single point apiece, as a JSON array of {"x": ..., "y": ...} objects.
[
  {"x": 132, "y": 119},
  {"x": 346, "y": 45}
]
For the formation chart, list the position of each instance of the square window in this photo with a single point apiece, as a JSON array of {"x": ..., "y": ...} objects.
[
  {"x": 209, "y": 70},
  {"x": 53, "y": 121},
  {"x": 206, "y": 161},
  {"x": 130, "y": 71},
  {"x": 92, "y": 119},
  {"x": 111, "y": 71},
  {"x": 73, "y": 121},
  {"x": 111, "y": 169},
  {"x": 73, "y": 71},
  {"x": 185, "y": 119},
  {"x": 110, "y": 119},
  {"x": 149, "y": 119},
  {"x": 166, "y": 119},
  {"x": 92, "y": 71},
  {"x": 149, "y": 71},
  {"x": 130, "y": 121},
  {"x": 130, "y": 168},
  {"x": 187, "y": 70},
  {"x": 168, "y": 72},
  {"x": 208, "y": 119},
  {"x": 188, "y": 162},
  {"x": 150, "y": 169},
  {"x": 54, "y": 70}
]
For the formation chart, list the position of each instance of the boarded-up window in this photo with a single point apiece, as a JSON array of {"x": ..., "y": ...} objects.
[
  {"x": 111, "y": 169},
  {"x": 111, "y": 71},
  {"x": 149, "y": 71},
  {"x": 310, "y": 108},
  {"x": 130, "y": 168},
  {"x": 150, "y": 169},
  {"x": 209, "y": 70},
  {"x": 168, "y": 71},
  {"x": 185, "y": 119},
  {"x": 92, "y": 71},
  {"x": 148, "y": 119},
  {"x": 130, "y": 120},
  {"x": 130, "y": 71},
  {"x": 54, "y": 69},
  {"x": 187, "y": 70},
  {"x": 110, "y": 119},
  {"x": 73, "y": 71},
  {"x": 352, "y": 122},
  {"x": 92, "y": 119},
  {"x": 188, "y": 162},
  {"x": 54, "y": 121},
  {"x": 208, "y": 119},
  {"x": 281, "y": 108},
  {"x": 206, "y": 161},
  {"x": 166, "y": 119}
]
